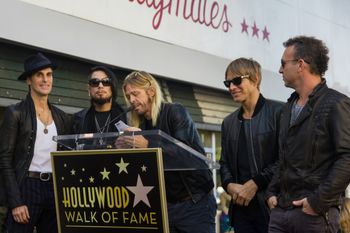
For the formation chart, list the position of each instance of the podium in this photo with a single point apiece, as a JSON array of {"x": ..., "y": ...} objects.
[{"x": 99, "y": 188}]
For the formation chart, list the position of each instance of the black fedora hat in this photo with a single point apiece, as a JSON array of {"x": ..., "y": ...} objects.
[{"x": 34, "y": 63}]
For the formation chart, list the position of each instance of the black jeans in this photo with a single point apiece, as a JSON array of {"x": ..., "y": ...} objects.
[
  {"x": 250, "y": 219},
  {"x": 296, "y": 221},
  {"x": 39, "y": 198},
  {"x": 190, "y": 217}
]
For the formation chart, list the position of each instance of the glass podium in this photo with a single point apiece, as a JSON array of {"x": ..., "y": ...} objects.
[{"x": 176, "y": 155}]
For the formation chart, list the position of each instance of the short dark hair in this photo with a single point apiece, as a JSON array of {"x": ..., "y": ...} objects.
[
  {"x": 110, "y": 75},
  {"x": 313, "y": 51}
]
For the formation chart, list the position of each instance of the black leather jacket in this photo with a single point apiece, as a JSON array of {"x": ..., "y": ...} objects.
[
  {"x": 314, "y": 151},
  {"x": 84, "y": 121},
  {"x": 18, "y": 132},
  {"x": 262, "y": 143},
  {"x": 176, "y": 121}
]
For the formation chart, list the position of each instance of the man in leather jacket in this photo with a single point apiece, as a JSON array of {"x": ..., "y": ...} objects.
[
  {"x": 249, "y": 147},
  {"x": 314, "y": 144},
  {"x": 27, "y": 129},
  {"x": 191, "y": 204},
  {"x": 104, "y": 110}
]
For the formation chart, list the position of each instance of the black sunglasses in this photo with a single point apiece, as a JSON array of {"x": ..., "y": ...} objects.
[
  {"x": 236, "y": 80},
  {"x": 284, "y": 62},
  {"x": 96, "y": 82}
]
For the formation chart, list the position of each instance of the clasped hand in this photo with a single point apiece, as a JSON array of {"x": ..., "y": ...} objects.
[{"x": 242, "y": 194}]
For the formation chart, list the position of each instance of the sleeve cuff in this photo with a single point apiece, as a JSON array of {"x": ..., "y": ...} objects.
[{"x": 260, "y": 182}]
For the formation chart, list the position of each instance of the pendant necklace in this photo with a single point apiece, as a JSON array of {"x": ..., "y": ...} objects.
[
  {"x": 47, "y": 123},
  {"x": 105, "y": 127},
  {"x": 46, "y": 130}
]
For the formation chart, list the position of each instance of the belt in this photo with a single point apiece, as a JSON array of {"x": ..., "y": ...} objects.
[
  {"x": 194, "y": 198},
  {"x": 43, "y": 176}
]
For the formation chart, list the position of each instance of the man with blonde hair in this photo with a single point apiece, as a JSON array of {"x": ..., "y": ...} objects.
[
  {"x": 191, "y": 204},
  {"x": 249, "y": 146}
]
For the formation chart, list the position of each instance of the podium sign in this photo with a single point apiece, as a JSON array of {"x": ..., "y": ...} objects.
[{"x": 113, "y": 190}]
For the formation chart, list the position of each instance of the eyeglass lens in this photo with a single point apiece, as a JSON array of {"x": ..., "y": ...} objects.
[
  {"x": 236, "y": 81},
  {"x": 96, "y": 82}
]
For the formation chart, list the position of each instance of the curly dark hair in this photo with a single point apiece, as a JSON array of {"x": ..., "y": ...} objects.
[{"x": 313, "y": 51}]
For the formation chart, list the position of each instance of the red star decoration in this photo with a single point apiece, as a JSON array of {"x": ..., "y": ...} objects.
[
  {"x": 255, "y": 30},
  {"x": 266, "y": 34},
  {"x": 244, "y": 27}
]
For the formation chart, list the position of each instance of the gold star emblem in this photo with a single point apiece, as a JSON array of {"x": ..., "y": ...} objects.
[
  {"x": 72, "y": 172},
  {"x": 122, "y": 166},
  {"x": 92, "y": 179},
  {"x": 143, "y": 168},
  {"x": 105, "y": 174}
]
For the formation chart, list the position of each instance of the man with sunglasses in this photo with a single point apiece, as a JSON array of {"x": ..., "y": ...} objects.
[
  {"x": 314, "y": 144},
  {"x": 104, "y": 110},
  {"x": 249, "y": 147}
]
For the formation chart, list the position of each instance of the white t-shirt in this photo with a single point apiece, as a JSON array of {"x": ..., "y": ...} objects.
[{"x": 44, "y": 144}]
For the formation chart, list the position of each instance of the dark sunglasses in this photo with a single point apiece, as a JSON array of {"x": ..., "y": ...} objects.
[
  {"x": 235, "y": 81},
  {"x": 96, "y": 82},
  {"x": 284, "y": 62}
]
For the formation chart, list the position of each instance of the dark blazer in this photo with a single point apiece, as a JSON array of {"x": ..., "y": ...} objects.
[
  {"x": 18, "y": 132},
  {"x": 174, "y": 120}
]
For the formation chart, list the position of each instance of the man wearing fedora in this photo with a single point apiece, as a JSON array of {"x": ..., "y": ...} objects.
[{"x": 27, "y": 129}]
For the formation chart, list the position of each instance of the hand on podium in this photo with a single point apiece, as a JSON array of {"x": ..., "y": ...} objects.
[{"x": 134, "y": 141}]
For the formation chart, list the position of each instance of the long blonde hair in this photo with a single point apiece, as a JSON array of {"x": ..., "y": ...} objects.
[
  {"x": 345, "y": 216},
  {"x": 145, "y": 81}
]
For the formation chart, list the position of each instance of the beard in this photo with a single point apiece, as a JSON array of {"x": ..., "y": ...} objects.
[{"x": 101, "y": 101}]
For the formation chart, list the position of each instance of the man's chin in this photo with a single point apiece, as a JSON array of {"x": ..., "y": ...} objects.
[{"x": 101, "y": 101}]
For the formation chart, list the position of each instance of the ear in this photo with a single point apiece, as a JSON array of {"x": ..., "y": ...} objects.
[
  {"x": 29, "y": 81},
  {"x": 151, "y": 92}
]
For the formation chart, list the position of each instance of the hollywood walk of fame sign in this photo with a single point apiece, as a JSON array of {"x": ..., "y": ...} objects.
[{"x": 110, "y": 191}]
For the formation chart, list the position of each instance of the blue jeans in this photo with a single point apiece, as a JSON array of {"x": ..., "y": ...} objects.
[
  {"x": 193, "y": 217},
  {"x": 296, "y": 221}
]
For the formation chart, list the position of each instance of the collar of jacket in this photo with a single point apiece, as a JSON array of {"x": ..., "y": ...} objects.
[
  {"x": 318, "y": 90},
  {"x": 258, "y": 107}
]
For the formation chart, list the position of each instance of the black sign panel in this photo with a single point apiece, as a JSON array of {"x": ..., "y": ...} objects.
[{"x": 110, "y": 191}]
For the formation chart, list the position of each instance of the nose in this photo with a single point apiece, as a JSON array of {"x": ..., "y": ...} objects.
[
  {"x": 280, "y": 70},
  {"x": 232, "y": 86},
  {"x": 132, "y": 99}
]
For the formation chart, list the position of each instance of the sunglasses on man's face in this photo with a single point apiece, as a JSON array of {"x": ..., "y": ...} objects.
[
  {"x": 94, "y": 82},
  {"x": 235, "y": 81}
]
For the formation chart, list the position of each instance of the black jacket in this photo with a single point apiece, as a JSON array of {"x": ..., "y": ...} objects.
[
  {"x": 84, "y": 120},
  {"x": 261, "y": 133},
  {"x": 174, "y": 120},
  {"x": 18, "y": 132},
  {"x": 314, "y": 151}
]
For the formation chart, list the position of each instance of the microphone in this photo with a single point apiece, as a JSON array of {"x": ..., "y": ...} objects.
[{"x": 117, "y": 117}]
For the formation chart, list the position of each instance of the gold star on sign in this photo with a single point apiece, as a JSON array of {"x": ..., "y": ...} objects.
[
  {"x": 143, "y": 168},
  {"x": 92, "y": 179},
  {"x": 72, "y": 172},
  {"x": 105, "y": 174},
  {"x": 122, "y": 166}
]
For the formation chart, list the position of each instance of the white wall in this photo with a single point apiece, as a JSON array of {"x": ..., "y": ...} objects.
[{"x": 121, "y": 33}]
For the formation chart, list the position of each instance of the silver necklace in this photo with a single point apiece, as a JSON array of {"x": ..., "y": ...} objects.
[{"x": 101, "y": 130}]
